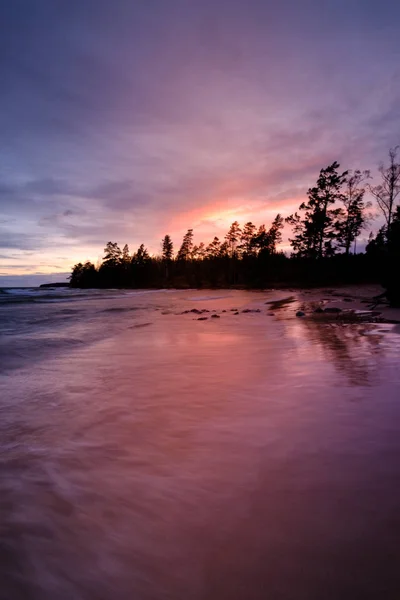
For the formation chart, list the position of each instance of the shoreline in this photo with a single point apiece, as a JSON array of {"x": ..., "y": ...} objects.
[{"x": 349, "y": 303}]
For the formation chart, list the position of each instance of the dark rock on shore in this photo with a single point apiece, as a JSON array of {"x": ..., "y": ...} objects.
[
  {"x": 300, "y": 313},
  {"x": 58, "y": 284},
  {"x": 251, "y": 310},
  {"x": 215, "y": 317},
  {"x": 202, "y": 319}
]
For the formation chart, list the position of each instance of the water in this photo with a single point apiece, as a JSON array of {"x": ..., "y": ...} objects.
[{"x": 148, "y": 455}]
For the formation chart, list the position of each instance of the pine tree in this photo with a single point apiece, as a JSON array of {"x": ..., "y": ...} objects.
[
  {"x": 247, "y": 246},
  {"x": 187, "y": 246},
  {"x": 232, "y": 239},
  {"x": 267, "y": 241},
  {"x": 198, "y": 252},
  {"x": 125, "y": 255},
  {"x": 112, "y": 254},
  {"x": 167, "y": 248},
  {"x": 274, "y": 234},
  {"x": 315, "y": 233},
  {"x": 213, "y": 248},
  {"x": 141, "y": 256}
]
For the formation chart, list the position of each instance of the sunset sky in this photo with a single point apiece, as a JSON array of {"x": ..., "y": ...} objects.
[{"x": 125, "y": 120}]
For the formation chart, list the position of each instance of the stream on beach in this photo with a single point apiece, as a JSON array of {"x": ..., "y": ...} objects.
[{"x": 146, "y": 454}]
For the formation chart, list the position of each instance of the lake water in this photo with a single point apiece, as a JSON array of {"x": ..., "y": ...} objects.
[{"x": 147, "y": 455}]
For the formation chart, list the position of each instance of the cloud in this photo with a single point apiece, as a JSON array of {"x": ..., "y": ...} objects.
[{"x": 150, "y": 118}]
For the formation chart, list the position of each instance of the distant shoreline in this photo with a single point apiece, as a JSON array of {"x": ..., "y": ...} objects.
[{"x": 55, "y": 285}]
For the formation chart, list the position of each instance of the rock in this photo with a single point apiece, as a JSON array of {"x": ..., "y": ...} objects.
[
  {"x": 205, "y": 310},
  {"x": 333, "y": 310},
  {"x": 275, "y": 304},
  {"x": 251, "y": 310},
  {"x": 234, "y": 309},
  {"x": 202, "y": 319},
  {"x": 300, "y": 313},
  {"x": 215, "y": 317},
  {"x": 58, "y": 284},
  {"x": 319, "y": 310},
  {"x": 224, "y": 310},
  {"x": 196, "y": 311},
  {"x": 236, "y": 313},
  {"x": 271, "y": 314}
]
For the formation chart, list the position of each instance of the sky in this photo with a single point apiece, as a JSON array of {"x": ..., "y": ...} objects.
[{"x": 125, "y": 120}]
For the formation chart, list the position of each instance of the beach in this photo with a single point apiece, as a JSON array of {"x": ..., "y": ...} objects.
[{"x": 199, "y": 444}]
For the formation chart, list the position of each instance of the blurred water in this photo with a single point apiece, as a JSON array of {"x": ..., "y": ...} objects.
[{"x": 147, "y": 455}]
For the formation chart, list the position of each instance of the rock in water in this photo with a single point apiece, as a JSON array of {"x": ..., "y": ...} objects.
[{"x": 300, "y": 313}]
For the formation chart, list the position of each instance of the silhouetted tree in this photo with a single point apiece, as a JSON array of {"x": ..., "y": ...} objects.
[
  {"x": 187, "y": 246},
  {"x": 141, "y": 256},
  {"x": 167, "y": 248},
  {"x": 213, "y": 248},
  {"x": 167, "y": 254},
  {"x": 247, "y": 245},
  {"x": 232, "y": 239},
  {"x": 225, "y": 250},
  {"x": 112, "y": 254},
  {"x": 125, "y": 254},
  {"x": 260, "y": 239},
  {"x": 83, "y": 275},
  {"x": 250, "y": 257},
  {"x": 392, "y": 279},
  {"x": 376, "y": 244},
  {"x": 274, "y": 234},
  {"x": 267, "y": 241},
  {"x": 386, "y": 192},
  {"x": 353, "y": 216},
  {"x": 198, "y": 252},
  {"x": 315, "y": 233}
]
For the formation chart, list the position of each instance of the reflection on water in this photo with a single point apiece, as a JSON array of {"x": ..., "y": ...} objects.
[
  {"x": 352, "y": 350},
  {"x": 148, "y": 455}
]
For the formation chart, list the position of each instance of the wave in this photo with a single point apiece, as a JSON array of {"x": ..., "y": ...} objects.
[
  {"x": 27, "y": 295},
  {"x": 46, "y": 295}
]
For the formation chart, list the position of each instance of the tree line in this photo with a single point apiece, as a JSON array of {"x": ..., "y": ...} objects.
[{"x": 324, "y": 235}]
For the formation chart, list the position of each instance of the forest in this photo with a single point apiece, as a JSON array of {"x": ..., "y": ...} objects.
[{"x": 323, "y": 240}]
